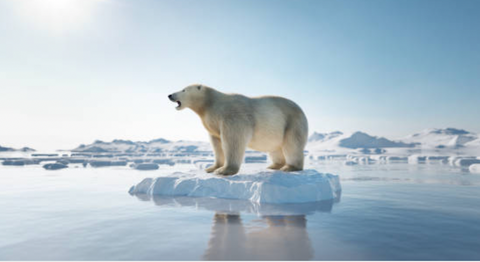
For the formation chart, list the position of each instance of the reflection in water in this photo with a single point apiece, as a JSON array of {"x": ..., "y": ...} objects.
[
  {"x": 280, "y": 232},
  {"x": 282, "y": 238},
  {"x": 232, "y": 206}
]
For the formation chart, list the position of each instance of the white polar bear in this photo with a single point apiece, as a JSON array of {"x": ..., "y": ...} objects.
[{"x": 268, "y": 124}]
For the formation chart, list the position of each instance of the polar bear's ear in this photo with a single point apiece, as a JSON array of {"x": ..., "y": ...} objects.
[{"x": 199, "y": 87}]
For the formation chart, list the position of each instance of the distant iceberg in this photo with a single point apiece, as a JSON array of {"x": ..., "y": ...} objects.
[{"x": 273, "y": 187}]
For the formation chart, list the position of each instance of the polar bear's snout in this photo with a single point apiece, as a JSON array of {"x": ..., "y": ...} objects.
[{"x": 173, "y": 98}]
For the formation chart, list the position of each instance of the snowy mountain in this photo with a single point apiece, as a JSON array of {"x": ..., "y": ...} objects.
[
  {"x": 474, "y": 143},
  {"x": 153, "y": 146},
  {"x": 446, "y": 141},
  {"x": 363, "y": 140},
  {"x": 323, "y": 136},
  {"x": 442, "y": 138},
  {"x": 9, "y": 149},
  {"x": 338, "y": 142}
]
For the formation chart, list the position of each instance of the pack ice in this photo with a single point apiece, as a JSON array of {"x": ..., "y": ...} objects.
[{"x": 274, "y": 187}]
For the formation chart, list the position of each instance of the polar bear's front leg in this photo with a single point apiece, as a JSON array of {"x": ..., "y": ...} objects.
[
  {"x": 219, "y": 156},
  {"x": 234, "y": 138}
]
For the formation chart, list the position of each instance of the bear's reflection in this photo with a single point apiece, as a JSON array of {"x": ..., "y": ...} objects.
[
  {"x": 280, "y": 232},
  {"x": 270, "y": 238}
]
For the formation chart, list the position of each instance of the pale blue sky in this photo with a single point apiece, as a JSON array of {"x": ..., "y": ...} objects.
[{"x": 72, "y": 71}]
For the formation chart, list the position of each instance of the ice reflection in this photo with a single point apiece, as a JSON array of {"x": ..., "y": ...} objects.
[
  {"x": 232, "y": 206},
  {"x": 279, "y": 232}
]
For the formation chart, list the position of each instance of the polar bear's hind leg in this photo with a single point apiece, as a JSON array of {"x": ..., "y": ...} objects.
[
  {"x": 293, "y": 157},
  {"x": 278, "y": 159},
  {"x": 294, "y": 142}
]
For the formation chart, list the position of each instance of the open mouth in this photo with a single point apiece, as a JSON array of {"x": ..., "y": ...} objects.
[{"x": 174, "y": 99}]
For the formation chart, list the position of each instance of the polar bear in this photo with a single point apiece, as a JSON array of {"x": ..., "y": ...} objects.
[{"x": 268, "y": 124}]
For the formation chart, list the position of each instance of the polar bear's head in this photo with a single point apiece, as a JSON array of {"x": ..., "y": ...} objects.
[{"x": 191, "y": 96}]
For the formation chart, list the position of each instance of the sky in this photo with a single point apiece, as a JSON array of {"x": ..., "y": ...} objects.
[{"x": 74, "y": 71}]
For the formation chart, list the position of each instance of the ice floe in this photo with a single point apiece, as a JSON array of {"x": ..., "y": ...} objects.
[
  {"x": 475, "y": 168},
  {"x": 146, "y": 166},
  {"x": 55, "y": 166},
  {"x": 262, "y": 187},
  {"x": 466, "y": 162}
]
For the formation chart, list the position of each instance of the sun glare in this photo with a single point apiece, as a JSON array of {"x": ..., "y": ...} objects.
[{"x": 57, "y": 15}]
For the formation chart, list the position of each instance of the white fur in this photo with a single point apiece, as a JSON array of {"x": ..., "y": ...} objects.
[{"x": 268, "y": 124}]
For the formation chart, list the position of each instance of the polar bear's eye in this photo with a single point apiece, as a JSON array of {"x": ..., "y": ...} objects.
[{"x": 183, "y": 90}]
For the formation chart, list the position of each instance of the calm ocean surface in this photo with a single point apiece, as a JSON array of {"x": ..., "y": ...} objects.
[{"x": 386, "y": 212}]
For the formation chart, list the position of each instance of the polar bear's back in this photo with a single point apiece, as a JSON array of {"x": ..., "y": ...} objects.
[
  {"x": 276, "y": 108},
  {"x": 274, "y": 117}
]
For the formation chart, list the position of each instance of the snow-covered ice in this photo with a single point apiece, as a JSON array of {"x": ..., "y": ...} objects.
[
  {"x": 350, "y": 163},
  {"x": 393, "y": 159},
  {"x": 262, "y": 187},
  {"x": 475, "y": 168},
  {"x": 416, "y": 159},
  {"x": 466, "y": 161}
]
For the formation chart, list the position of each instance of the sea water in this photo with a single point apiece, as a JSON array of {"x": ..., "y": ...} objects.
[{"x": 385, "y": 212}]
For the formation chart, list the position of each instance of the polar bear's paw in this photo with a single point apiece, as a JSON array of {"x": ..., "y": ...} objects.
[
  {"x": 212, "y": 168},
  {"x": 275, "y": 166},
  {"x": 289, "y": 168},
  {"x": 226, "y": 171}
]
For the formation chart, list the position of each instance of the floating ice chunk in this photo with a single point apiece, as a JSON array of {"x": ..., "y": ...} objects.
[
  {"x": 441, "y": 159},
  {"x": 350, "y": 163},
  {"x": 475, "y": 168},
  {"x": 366, "y": 160},
  {"x": 262, "y": 187},
  {"x": 465, "y": 162},
  {"x": 13, "y": 163},
  {"x": 98, "y": 163},
  {"x": 20, "y": 162},
  {"x": 397, "y": 159},
  {"x": 416, "y": 159},
  {"x": 55, "y": 166},
  {"x": 146, "y": 166},
  {"x": 453, "y": 159},
  {"x": 379, "y": 158}
]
